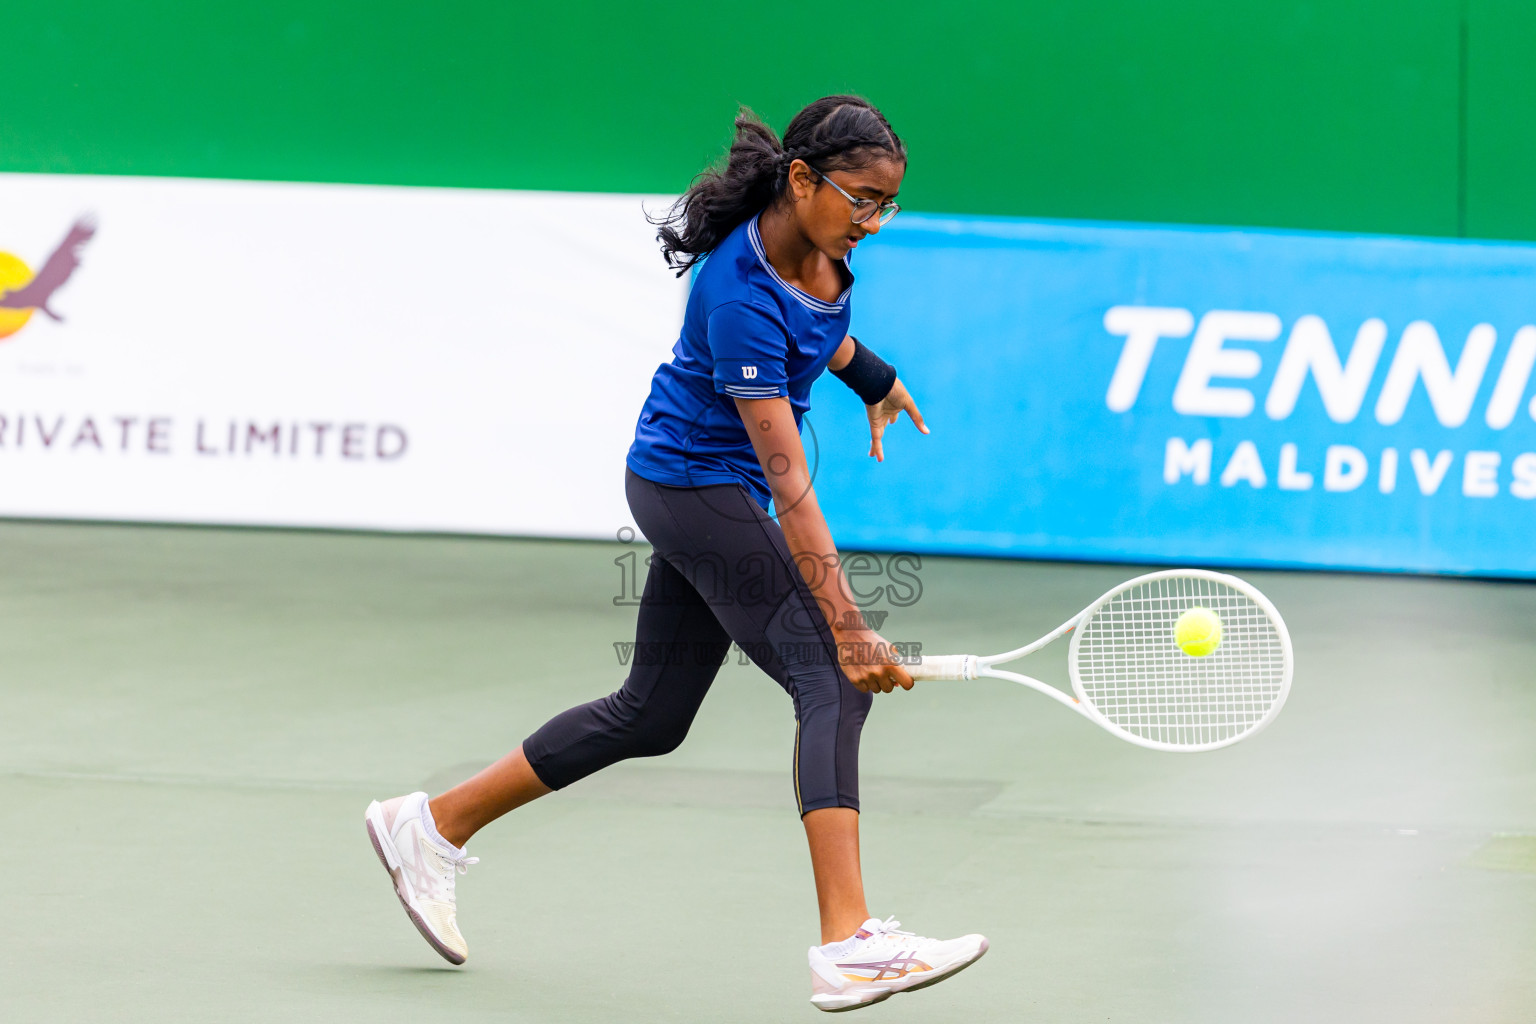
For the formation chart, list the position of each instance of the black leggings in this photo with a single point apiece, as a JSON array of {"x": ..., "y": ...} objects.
[{"x": 721, "y": 571}]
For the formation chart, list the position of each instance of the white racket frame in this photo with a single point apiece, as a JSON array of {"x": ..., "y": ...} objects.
[{"x": 972, "y": 666}]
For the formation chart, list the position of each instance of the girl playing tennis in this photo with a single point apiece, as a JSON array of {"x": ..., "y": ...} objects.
[{"x": 717, "y": 440}]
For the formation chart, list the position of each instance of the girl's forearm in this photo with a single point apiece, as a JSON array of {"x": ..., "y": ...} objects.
[
  {"x": 776, "y": 440},
  {"x": 810, "y": 542}
]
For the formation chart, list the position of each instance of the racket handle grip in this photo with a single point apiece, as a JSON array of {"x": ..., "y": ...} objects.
[{"x": 945, "y": 666}]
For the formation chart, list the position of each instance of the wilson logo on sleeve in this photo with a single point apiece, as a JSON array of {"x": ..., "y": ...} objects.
[{"x": 749, "y": 372}]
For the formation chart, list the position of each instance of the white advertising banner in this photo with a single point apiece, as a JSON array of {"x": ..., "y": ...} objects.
[{"x": 325, "y": 356}]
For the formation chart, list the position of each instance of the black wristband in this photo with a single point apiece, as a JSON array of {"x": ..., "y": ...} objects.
[{"x": 870, "y": 377}]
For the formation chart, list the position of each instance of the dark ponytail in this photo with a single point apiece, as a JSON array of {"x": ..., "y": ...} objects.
[{"x": 834, "y": 133}]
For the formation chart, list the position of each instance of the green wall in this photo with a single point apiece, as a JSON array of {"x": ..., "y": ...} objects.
[{"x": 1354, "y": 115}]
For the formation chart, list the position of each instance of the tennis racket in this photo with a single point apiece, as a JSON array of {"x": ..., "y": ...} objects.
[{"x": 1131, "y": 677}]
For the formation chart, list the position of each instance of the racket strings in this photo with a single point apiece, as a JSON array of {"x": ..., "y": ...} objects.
[{"x": 1133, "y": 672}]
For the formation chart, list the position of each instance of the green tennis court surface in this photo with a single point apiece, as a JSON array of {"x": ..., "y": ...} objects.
[{"x": 192, "y": 721}]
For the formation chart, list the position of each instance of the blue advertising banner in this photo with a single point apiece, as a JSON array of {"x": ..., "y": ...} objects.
[{"x": 1131, "y": 393}]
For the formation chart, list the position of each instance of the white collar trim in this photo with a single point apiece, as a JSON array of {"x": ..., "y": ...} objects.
[{"x": 805, "y": 299}]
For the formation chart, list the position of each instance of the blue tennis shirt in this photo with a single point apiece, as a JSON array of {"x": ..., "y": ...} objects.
[{"x": 747, "y": 333}]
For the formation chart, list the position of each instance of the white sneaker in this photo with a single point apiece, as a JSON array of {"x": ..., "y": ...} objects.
[
  {"x": 423, "y": 871},
  {"x": 879, "y": 961}
]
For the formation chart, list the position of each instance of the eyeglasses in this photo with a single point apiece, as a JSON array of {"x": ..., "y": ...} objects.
[{"x": 863, "y": 209}]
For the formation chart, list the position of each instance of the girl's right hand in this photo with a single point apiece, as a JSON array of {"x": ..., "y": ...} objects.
[{"x": 869, "y": 662}]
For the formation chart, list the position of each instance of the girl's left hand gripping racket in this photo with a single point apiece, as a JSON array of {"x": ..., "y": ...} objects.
[{"x": 1131, "y": 676}]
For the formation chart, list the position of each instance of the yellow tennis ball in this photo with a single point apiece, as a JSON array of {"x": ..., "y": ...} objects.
[{"x": 1198, "y": 632}]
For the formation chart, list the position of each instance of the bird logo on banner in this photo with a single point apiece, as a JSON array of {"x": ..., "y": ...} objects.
[{"x": 22, "y": 292}]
